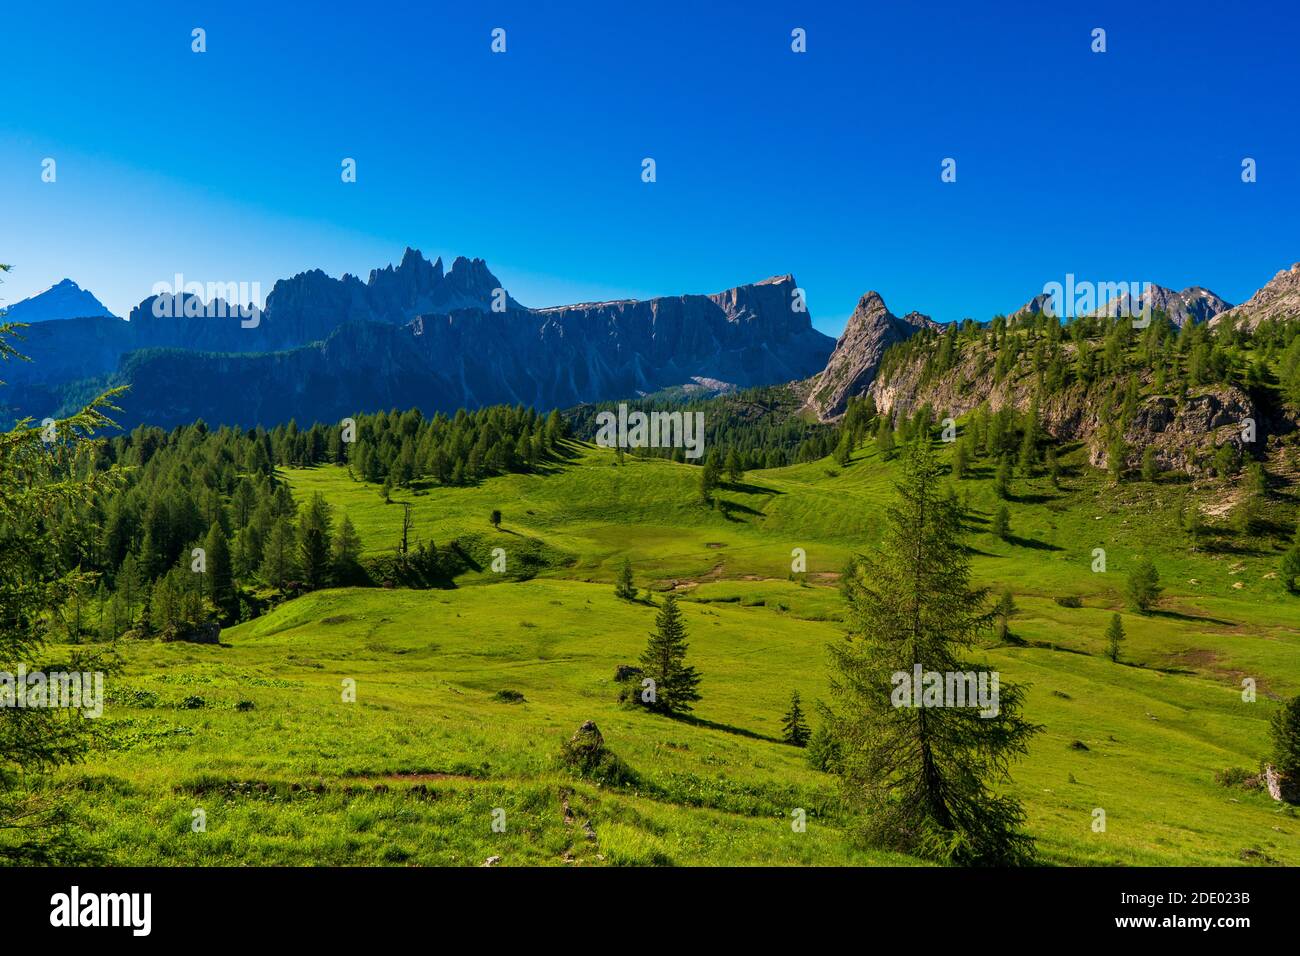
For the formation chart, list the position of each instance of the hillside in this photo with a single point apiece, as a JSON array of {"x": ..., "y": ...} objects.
[
  {"x": 255, "y": 732},
  {"x": 1179, "y": 393}
]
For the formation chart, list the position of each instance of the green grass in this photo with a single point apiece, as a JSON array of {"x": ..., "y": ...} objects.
[{"x": 411, "y": 772}]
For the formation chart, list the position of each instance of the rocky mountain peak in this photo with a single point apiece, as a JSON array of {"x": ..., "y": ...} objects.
[
  {"x": 1279, "y": 299},
  {"x": 871, "y": 329},
  {"x": 63, "y": 300}
]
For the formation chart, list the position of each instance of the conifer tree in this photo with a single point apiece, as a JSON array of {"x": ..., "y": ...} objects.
[
  {"x": 734, "y": 471},
  {"x": 794, "y": 729},
  {"x": 36, "y": 481},
  {"x": 885, "y": 438},
  {"x": 346, "y": 550},
  {"x": 1114, "y": 637},
  {"x": 1002, "y": 522},
  {"x": 925, "y": 776},
  {"x": 1284, "y": 729},
  {"x": 279, "y": 561},
  {"x": 664, "y": 662},
  {"x": 1144, "y": 585},
  {"x": 1149, "y": 468},
  {"x": 1006, "y": 607},
  {"x": 219, "y": 575},
  {"x": 314, "y": 542},
  {"x": 625, "y": 588},
  {"x": 1002, "y": 479}
]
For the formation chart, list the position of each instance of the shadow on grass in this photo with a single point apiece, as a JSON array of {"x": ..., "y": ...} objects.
[
  {"x": 1030, "y": 543},
  {"x": 1198, "y": 618},
  {"x": 725, "y": 728}
]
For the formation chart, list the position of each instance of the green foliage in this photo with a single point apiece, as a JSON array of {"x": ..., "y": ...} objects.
[
  {"x": 794, "y": 729},
  {"x": 1144, "y": 585},
  {"x": 625, "y": 588},
  {"x": 676, "y": 683},
  {"x": 38, "y": 480},
  {"x": 1285, "y": 733},
  {"x": 1002, "y": 522},
  {"x": 1004, "y": 609},
  {"x": 1114, "y": 637},
  {"x": 824, "y": 751},
  {"x": 925, "y": 776},
  {"x": 1289, "y": 568}
]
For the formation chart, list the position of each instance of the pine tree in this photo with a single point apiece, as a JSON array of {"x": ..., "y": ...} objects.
[
  {"x": 1284, "y": 729},
  {"x": 495, "y": 518},
  {"x": 1289, "y": 568},
  {"x": 734, "y": 471},
  {"x": 1144, "y": 585},
  {"x": 1006, "y": 607},
  {"x": 885, "y": 438},
  {"x": 844, "y": 451},
  {"x": 219, "y": 574},
  {"x": 1114, "y": 637},
  {"x": 664, "y": 662},
  {"x": 1053, "y": 468},
  {"x": 314, "y": 542},
  {"x": 131, "y": 587},
  {"x": 1002, "y": 479},
  {"x": 1150, "y": 470},
  {"x": 1002, "y": 522},
  {"x": 346, "y": 550},
  {"x": 1116, "y": 452},
  {"x": 960, "y": 460},
  {"x": 279, "y": 562},
  {"x": 794, "y": 729},
  {"x": 624, "y": 588},
  {"x": 925, "y": 775},
  {"x": 36, "y": 482}
]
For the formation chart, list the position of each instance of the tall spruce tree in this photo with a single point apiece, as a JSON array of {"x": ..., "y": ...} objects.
[
  {"x": 664, "y": 662},
  {"x": 924, "y": 775}
]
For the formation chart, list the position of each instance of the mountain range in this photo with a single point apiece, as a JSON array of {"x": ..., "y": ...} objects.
[
  {"x": 413, "y": 335},
  {"x": 419, "y": 335}
]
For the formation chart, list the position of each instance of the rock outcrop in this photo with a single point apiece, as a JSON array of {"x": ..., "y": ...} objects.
[
  {"x": 871, "y": 329},
  {"x": 1279, "y": 300}
]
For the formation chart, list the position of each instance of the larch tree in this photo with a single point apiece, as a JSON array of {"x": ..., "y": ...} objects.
[
  {"x": 926, "y": 777},
  {"x": 38, "y": 483}
]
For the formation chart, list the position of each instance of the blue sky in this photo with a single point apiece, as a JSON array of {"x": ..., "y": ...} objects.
[{"x": 225, "y": 165}]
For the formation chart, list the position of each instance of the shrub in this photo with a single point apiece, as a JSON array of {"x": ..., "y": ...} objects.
[{"x": 824, "y": 752}]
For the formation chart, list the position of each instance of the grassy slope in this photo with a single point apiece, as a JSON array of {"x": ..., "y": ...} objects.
[{"x": 293, "y": 780}]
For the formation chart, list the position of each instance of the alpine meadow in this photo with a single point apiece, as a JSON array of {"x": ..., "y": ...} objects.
[{"x": 615, "y": 553}]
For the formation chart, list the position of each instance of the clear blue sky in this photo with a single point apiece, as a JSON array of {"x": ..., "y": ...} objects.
[{"x": 225, "y": 165}]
